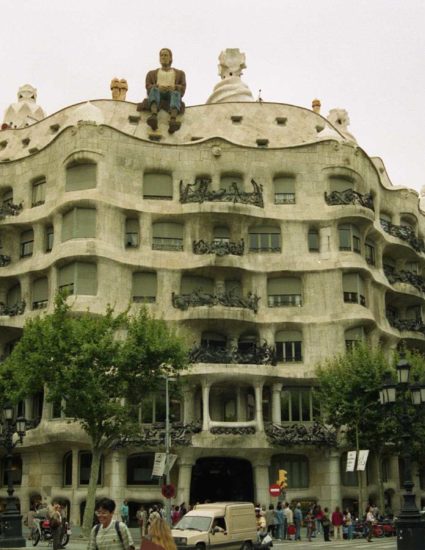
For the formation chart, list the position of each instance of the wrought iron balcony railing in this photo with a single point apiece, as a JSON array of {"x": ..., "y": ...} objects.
[
  {"x": 10, "y": 209},
  {"x": 301, "y": 434},
  {"x": 404, "y": 233},
  {"x": 153, "y": 436},
  {"x": 4, "y": 260},
  {"x": 200, "y": 192},
  {"x": 405, "y": 277},
  {"x": 414, "y": 325},
  {"x": 228, "y": 298},
  {"x": 349, "y": 196},
  {"x": 14, "y": 309},
  {"x": 257, "y": 355},
  {"x": 219, "y": 247}
]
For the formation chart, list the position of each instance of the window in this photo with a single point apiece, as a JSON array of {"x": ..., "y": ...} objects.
[
  {"x": 39, "y": 192},
  {"x": 385, "y": 218},
  {"x": 144, "y": 287},
  {"x": 221, "y": 234},
  {"x": 7, "y": 197},
  {"x": 167, "y": 236},
  {"x": 284, "y": 292},
  {"x": 14, "y": 295},
  {"x": 67, "y": 469},
  {"x": 414, "y": 312},
  {"x": 85, "y": 459},
  {"x": 79, "y": 223},
  {"x": 299, "y": 405},
  {"x": 157, "y": 186},
  {"x": 340, "y": 183},
  {"x": 233, "y": 286},
  {"x": 389, "y": 264},
  {"x": 131, "y": 233},
  {"x": 229, "y": 181},
  {"x": 348, "y": 479},
  {"x": 354, "y": 289},
  {"x": 49, "y": 238},
  {"x": 40, "y": 293},
  {"x": 264, "y": 239},
  {"x": 78, "y": 278},
  {"x": 412, "y": 267},
  {"x": 139, "y": 469},
  {"x": 191, "y": 283},
  {"x": 313, "y": 240},
  {"x": 353, "y": 336},
  {"x": 369, "y": 251},
  {"x": 288, "y": 346},
  {"x": 284, "y": 190},
  {"x": 297, "y": 467},
  {"x": 213, "y": 340},
  {"x": 27, "y": 243},
  {"x": 16, "y": 470},
  {"x": 247, "y": 343},
  {"x": 349, "y": 238},
  {"x": 81, "y": 175}
]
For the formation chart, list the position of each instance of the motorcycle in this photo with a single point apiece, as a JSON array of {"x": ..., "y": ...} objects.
[{"x": 42, "y": 531}]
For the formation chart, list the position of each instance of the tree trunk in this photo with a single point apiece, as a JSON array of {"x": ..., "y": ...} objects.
[
  {"x": 91, "y": 492},
  {"x": 381, "y": 495},
  {"x": 359, "y": 476}
]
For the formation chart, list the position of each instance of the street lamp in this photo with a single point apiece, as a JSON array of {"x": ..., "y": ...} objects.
[
  {"x": 167, "y": 446},
  {"x": 410, "y": 525},
  {"x": 11, "y": 519}
]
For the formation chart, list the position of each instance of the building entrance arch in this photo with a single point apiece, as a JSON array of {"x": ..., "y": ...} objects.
[{"x": 221, "y": 479}]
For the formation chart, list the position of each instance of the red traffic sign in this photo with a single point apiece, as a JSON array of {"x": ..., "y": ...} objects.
[
  {"x": 274, "y": 490},
  {"x": 168, "y": 491}
]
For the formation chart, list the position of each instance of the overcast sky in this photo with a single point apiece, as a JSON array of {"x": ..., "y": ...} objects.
[{"x": 367, "y": 56}]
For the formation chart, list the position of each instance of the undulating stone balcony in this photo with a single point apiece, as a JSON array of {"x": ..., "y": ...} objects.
[
  {"x": 199, "y": 192},
  {"x": 230, "y": 298},
  {"x": 261, "y": 355},
  {"x": 404, "y": 233},
  {"x": 219, "y": 247},
  {"x": 413, "y": 325},
  {"x": 301, "y": 434},
  {"x": 349, "y": 196},
  {"x": 405, "y": 277},
  {"x": 12, "y": 310},
  {"x": 10, "y": 209}
]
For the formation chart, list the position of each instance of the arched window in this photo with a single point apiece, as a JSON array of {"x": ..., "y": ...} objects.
[
  {"x": 340, "y": 183},
  {"x": 288, "y": 346},
  {"x": 354, "y": 289},
  {"x": 264, "y": 238},
  {"x": 40, "y": 293},
  {"x": 79, "y": 223},
  {"x": 167, "y": 236},
  {"x": 349, "y": 238},
  {"x": 144, "y": 287},
  {"x": 67, "y": 469},
  {"x": 139, "y": 469},
  {"x": 284, "y": 292},
  {"x": 284, "y": 190},
  {"x": 157, "y": 186},
  {"x": 297, "y": 467},
  {"x": 84, "y": 466},
  {"x": 80, "y": 175}
]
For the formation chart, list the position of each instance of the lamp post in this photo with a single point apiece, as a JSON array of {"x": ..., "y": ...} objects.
[
  {"x": 410, "y": 525},
  {"x": 167, "y": 446},
  {"x": 11, "y": 519}
]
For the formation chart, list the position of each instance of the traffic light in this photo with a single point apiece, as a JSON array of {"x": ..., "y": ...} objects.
[{"x": 283, "y": 479}]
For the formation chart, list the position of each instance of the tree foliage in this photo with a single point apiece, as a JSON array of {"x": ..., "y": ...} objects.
[{"x": 98, "y": 367}]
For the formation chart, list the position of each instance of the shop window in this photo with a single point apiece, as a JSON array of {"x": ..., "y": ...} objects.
[
  {"x": 80, "y": 176},
  {"x": 144, "y": 287}
]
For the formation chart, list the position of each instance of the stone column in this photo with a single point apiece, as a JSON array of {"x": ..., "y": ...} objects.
[
  {"x": 38, "y": 247},
  {"x": 205, "y": 407},
  {"x": 276, "y": 409},
  {"x": 75, "y": 503},
  {"x": 47, "y": 407},
  {"x": 334, "y": 480},
  {"x": 188, "y": 405},
  {"x": 117, "y": 466},
  {"x": 258, "y": 388},
  {"x": 261, "y": 480},
  {"x": 185, "y": 476},
  {"x": 239, "y": 407},
  {"x": 26, "y": 291}
]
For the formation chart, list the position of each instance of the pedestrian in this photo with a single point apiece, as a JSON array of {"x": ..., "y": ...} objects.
[
  {"x": 318, "y": 516},
  {"x": 142, "y": 520},
  {"x": 56, "y": 525},
  {"x": 280, "y": 521},
  {"x": 261, "y": 524},
  {"x": 109, "y": 534},
  {"x": 289, "y": 519},
  {"x": 270, "y": 518},
  {"x": 124, "y": 511},
  {"x": 326, "y": 524},
  {"x": 348, "y": 521},
  {"x": 154, "y": 514},
  {"x": 298, "y": 519},
  {"x": 175, "y": 515},
  {"x": 370, "y": 520},
  {"x": 309, "y": 523},
  {"x": 337, "y": 521},
  {"x": 159, "y": 537}
]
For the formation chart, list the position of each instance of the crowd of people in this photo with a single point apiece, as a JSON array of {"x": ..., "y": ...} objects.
[{"x": 284, "y": 522}]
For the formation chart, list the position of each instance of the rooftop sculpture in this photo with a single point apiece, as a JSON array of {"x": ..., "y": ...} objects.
[
  {"x": 26, "y": 111},
  {"x": 231, "y": 87}
]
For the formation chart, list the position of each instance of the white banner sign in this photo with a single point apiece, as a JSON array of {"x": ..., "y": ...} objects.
[
  {"x": 361, "y": 463},
  {"x": 351, "y": 461},
  {"x": 158, "y": 465}
]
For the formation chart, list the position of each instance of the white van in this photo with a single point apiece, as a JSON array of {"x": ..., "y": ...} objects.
[{"x": 218, "y": 524}]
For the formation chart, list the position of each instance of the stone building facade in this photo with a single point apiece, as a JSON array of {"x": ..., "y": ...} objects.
[{"x": 263, "y": 232}]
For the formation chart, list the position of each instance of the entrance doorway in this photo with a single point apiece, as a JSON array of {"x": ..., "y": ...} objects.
[{"x": 221, "y": 479}]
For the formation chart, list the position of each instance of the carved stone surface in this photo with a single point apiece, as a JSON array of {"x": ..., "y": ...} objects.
[
  {"x": 349, "y": 196},
  {"x": 119, "y": 88},
  {"x": 301, "y": 434},
  {"x": 4, "y": 260},
  {"x": 26, "y": 111},
  {"x": 405, "y": 234},
  {"x": 260, "y": 355},
  {"x": 220, "y": 248},
  {"x": 199, "y": 298},
  {"x": 414, "y": 325},
  {"x": 199, "y": 192},
  {"x": 405, "y": 277},
  {"x": 154, "y": 436},
  {"x": 10, "y": 209},
  {"x": 15, "y": 309},
  {"x": 340, "y": 119},
  {"x": 231, "y": 87},
  {"x": 233, "y": 430}
]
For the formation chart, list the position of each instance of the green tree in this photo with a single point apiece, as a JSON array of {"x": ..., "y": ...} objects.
[{"x": 98, "y": 367}]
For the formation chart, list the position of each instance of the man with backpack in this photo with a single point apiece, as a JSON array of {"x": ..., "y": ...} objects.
[{"x": 109, "y": 534}]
